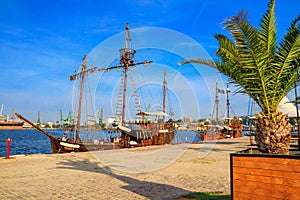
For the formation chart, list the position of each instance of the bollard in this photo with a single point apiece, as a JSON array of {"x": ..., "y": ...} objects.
[{"x": 8, "y": 140}]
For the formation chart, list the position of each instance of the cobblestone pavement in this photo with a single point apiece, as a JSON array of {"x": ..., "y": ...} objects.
[{"x": 110, "y": 174}]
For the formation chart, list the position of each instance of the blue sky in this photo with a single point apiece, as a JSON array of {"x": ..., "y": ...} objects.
[{"x": 42, "y": 42}]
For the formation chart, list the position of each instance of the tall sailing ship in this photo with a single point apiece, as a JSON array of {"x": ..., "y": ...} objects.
[
  {"x": 70, "y": 141},
  {"x": 146, "y": 132},
  {"x": 222, "y": 128},
  {"x": 139, "y": 133}
]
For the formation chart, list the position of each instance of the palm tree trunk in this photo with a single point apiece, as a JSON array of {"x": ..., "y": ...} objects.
[{"x": 273, "y": 136}]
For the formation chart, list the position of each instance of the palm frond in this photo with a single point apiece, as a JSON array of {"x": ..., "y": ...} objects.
[
  {"x": 207, "y": 62},
  {"x": 268, "y": 29},
  {"x": 251, "y": 59},
  {"x": 287, "y": 59}
]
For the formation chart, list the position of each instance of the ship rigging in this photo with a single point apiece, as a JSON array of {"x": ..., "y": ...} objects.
[{"x": 146, "y": 134}]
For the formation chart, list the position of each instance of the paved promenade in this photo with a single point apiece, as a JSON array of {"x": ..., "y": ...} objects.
[{"x": 156, "y": 172}]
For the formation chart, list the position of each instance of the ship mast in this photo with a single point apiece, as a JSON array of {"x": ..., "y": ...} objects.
[
  {"x": 228, "y": 103},
  {"x": 165, "y": 94},
  {"x": 83, "y": 67},
  {"x": 217, "y": 103},
  {"x": 81, "y": 76},
  {"x": 126, "y": 58},
  {"x": 126, "y": 61}
]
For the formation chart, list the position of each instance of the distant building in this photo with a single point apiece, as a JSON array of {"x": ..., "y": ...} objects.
[
  {"x": 27, "y": 125},
  {"x": 50, "y": 124},
  {"x": 187, "y": 120},
  {"x": 109, "y": 121},
  {"x": 90, "y": 123}
]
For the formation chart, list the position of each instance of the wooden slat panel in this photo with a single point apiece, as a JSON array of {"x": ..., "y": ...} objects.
[
  {"x": 265, "y": 178},
  {"x": 270, "y": 160},
  {"x": 265, "y": 164},
  {"x": 251, "y": 196},
  {"x": 265, "y": 189},
  {"x": 269, "y": 179},
  {"x": 272, "y": 173}
]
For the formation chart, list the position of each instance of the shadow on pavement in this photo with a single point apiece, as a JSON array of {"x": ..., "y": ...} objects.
[{"x": 146, "y": 189}]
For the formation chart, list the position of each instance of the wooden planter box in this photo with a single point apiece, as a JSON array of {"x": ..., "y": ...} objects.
[{"x": 265, "y": 176}]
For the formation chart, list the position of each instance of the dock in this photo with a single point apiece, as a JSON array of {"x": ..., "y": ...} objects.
[{"x": 107, "y": 175}]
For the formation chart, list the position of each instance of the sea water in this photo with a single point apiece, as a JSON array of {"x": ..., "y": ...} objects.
[
  {"x": 29, "y": 141},
  {"x": 26, "y": 142}
]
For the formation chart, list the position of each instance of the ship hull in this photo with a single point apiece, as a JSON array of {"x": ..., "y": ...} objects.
[
  {"x": 60, "y": 146},
  {"x": 154, "y": 139},
  {"x": 11, "y": 125}
]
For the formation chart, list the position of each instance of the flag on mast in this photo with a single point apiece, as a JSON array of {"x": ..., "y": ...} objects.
[{"x": 221, "y": 91}]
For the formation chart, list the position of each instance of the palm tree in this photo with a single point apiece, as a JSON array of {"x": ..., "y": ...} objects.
[{"x": 261, "y": 68}]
